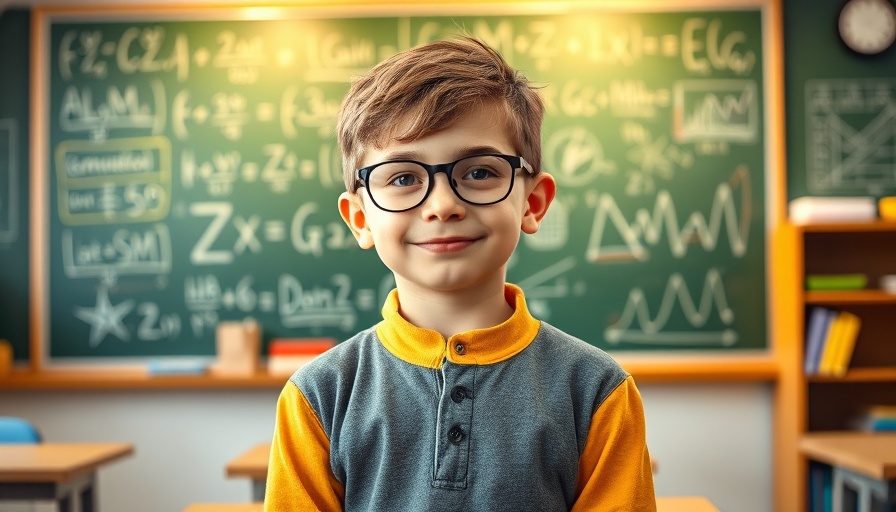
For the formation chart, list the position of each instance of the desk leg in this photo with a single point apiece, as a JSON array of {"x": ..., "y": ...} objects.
[
  {"x": 88, "y": 498},
  {"x": 258, "y": 487}
]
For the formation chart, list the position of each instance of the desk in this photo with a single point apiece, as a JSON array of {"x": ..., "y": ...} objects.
[
  {"x": 252, "y": 464},
  {"x": 63, "y": 472},
  {"x": 225, "y": 507},
  {"x": 684, "y": 504},
  {"x": 864, "y": 467}
]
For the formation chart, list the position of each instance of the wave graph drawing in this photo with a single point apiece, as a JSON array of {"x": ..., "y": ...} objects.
[
  {"x": 712, "y": 299},
  {"x": 648, "y": 227}
]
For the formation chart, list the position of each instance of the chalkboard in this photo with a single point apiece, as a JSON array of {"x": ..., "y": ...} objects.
[
  {"x": 192, "y": 176},
  {"x": 841, "y": 108},
  {"x": 14, "y": 201}
]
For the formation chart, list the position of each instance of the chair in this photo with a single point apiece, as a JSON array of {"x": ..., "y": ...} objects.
[{"x": 15, "y": 430}]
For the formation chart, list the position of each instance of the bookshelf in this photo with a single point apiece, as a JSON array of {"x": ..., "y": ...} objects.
[{"x": 807, "y": 405}]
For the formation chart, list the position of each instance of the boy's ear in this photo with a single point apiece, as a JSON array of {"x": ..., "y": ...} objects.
[
  {"x": 352, "y": 212},
  {"x": 544, "y": 188}
]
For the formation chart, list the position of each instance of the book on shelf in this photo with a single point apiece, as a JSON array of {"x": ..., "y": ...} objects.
[
  {"x": 830, "y": 341},
  {"x": 846, "y": 343},
  {"x": 816, "y": 332},
  {"x": 877, "y": 418},
  {"x": 285, "y": 356}
]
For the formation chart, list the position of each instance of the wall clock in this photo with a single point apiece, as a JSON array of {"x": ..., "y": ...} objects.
[{"x": 868, "y": 26}]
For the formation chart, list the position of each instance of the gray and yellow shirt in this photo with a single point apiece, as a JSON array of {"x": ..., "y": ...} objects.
[{"x": 516, "y": 417}]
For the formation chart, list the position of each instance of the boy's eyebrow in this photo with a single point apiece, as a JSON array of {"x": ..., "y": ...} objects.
[{"x": 459, "y": 153}]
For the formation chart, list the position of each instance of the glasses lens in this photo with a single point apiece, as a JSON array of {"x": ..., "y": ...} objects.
[
  {"x": 397, "y": 185},
  {"x": 482, "y": 179}
]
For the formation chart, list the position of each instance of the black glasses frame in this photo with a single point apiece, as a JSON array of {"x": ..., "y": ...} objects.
[{"x": 517, "y": 162}]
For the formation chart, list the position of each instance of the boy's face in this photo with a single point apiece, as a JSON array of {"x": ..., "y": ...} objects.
[{"x": 446, "y": 245}]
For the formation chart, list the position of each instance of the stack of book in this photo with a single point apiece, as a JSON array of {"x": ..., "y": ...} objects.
[
  {"x": 878, "y": 418},
  {"x": 830, "y": 341},
  {"x": 285, "y": 356}
]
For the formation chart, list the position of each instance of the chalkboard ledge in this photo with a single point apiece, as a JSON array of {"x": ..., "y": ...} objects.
[{"x": 644, "y": 369}]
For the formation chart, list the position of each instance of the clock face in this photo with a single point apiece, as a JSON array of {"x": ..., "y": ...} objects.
[{"x": 868, "y": 26}]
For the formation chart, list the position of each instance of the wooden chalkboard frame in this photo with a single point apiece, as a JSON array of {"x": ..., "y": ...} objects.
[{"x": 654, "y": 363}]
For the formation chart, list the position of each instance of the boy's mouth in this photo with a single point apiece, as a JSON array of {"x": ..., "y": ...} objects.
[{"x": 446, "y": 245}]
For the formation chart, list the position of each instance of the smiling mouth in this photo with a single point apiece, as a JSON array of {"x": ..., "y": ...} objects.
[{"x": 446, "y": 245}]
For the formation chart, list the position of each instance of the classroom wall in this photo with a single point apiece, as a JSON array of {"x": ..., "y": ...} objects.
[{"x": 711, "y": 439}]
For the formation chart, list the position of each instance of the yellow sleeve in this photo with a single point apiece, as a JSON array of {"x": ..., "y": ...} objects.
[
  {"x": 299, "y": 474},
  {"x": 614, "y": 469}
]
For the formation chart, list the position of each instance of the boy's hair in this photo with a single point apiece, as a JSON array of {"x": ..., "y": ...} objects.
[{"x": 430, "y": 87}]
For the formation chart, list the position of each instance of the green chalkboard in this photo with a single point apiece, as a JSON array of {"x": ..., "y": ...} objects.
[
  {"x": 841, "y": 108},
  {"x": 193, "y": 175},
  {"x": 14, "y": 200}
]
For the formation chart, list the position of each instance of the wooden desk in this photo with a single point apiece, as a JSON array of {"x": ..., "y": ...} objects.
[
  {"x": 684, "y": 504},
  {"x": 252, "y": 464},
  {"x": 225, "y": 507},
  {"x": 63, "y": 472},
  {"x": 864, "y": 462}
]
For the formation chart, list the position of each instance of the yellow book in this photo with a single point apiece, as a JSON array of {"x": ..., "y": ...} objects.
[
  {"x": 848, "y": 335},
  {"x": 831, "y": 345}
]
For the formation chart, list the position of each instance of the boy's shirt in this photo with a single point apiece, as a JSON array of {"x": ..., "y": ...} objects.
[{"x": 520, "y": 416}]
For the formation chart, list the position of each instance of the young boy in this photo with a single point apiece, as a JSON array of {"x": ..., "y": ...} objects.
[{"x": 459, "y": 400}]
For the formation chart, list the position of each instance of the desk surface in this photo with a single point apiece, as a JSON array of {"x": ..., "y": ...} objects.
[
  {"x": 225, "y": 507},
  {"x": 684, "y": 504},
  {"x": 869, "y": 453},
  {"x": 56, "y": 462},
  {"x": 252, "y": 463}
]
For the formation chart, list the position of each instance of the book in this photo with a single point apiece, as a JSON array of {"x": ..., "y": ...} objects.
[
  {"x": 847, "y": 342},
  {"x": 877, "y": 418},
  {"x": 816, "y": 332},
  {"x": 831, "y": 345},
  {"x": 285, "y": 356},
  {"x": 816, "y": 282}
]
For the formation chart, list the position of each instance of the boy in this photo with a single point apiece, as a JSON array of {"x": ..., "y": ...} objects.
[{"x": 459, "y": 399}]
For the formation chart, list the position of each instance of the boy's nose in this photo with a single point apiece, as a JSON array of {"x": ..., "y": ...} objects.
[{"x": 442, "y": 202}]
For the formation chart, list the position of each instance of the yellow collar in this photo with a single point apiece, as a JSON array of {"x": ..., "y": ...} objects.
[{"x": 425, "y": 347}]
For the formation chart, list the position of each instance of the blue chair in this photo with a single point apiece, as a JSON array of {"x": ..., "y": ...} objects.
[{"x": 15, "y": 430}]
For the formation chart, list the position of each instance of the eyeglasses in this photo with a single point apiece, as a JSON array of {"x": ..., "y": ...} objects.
[{"x": 402, "y": 185}]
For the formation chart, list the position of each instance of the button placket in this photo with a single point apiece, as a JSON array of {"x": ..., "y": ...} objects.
[{"x": 455, "y": 426}]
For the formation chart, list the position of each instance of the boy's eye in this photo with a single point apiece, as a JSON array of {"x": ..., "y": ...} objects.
[
  {"x": 404, "y": 180},
  {"x": 479, "y": 173}
]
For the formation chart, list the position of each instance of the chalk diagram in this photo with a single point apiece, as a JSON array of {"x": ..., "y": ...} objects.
[
  {"x": 716, "y": 110},
  {"x": 105, "y": 318},
  {"x": 650, "y": 330},
  {"x": 851, "y": 135},
  {"x": 550, "y": 283},
  {"x": 9, "y": 169},
  {"x": 576, "y": 157},
  {"x": 648, "y": 227}
]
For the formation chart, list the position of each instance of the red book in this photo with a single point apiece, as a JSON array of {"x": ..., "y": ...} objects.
[{"x": 300, "y": 346}]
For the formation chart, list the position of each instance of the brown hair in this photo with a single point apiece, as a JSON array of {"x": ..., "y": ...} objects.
[{"x": 430, "y": 87}]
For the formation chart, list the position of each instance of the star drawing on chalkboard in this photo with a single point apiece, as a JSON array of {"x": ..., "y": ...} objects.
[{"x": 104, "y": 318}]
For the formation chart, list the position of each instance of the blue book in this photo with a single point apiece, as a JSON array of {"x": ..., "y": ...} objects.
[{"x": 816, "y": 333}]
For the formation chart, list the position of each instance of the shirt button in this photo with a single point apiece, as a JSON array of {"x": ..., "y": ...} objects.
[
  {"x": 459, "y": 393},
  {"x": 460, "y": 349},
  {"x": 456, "y": 434}
]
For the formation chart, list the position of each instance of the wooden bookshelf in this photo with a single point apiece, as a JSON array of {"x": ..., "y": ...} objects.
[{"x": 809, "y": 404}]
